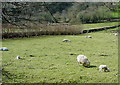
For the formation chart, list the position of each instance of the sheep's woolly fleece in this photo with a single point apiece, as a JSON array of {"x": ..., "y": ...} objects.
[
  {"x": 66, "y": 40},
  {"x": 4, "y": 49},
  {"x": 81, "y": 59},
  {"x": 88, "y": 36},
  {"x": 104, "y": 68},
  {"x": 18, "y": 57}
]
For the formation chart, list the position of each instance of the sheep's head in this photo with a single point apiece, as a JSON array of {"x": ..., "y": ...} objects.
[
  {"x": 106, "y": 69},
  {"x": 87, "y": 64}
]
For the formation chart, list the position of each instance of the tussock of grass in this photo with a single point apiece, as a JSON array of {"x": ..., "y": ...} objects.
[{"x": 52, "y": 62}]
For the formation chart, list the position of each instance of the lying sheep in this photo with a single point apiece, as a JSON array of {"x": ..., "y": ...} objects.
[
  {"x": 4, "y": 49},
  {"x": 88, "y": 36},
  {"x": 104, "y": 68},
  {"x": 66, "y": 40},
  {"x": 81, "y": 59}
]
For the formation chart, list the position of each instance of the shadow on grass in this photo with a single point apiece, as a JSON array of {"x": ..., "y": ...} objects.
[{"x": 92, "y": 66}]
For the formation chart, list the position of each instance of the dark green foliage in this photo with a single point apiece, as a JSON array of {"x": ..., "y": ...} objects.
[
  {"x": 59, "y": 6},
  {"x": 24, "y": 13}
]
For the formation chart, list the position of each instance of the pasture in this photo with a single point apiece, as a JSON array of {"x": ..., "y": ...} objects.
[
  {"x": 115, "y": 14},
  {"x": 54, "y": 61},
  {"x": 97, "y": 25}
]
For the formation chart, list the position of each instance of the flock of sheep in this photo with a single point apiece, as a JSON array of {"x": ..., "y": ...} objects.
[{"x": 81, "y": 59}]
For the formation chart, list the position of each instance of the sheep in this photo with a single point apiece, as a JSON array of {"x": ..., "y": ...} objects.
[
  {"x": 66, "y": 40},
  {"x": 18, "y": 57},
  {"x": 116, "y": 34},
  {"x": 104, "y": 68},
  {"x": 88, "y": 36},
  {"x": 81, "y": 59},
  {"x": 4, "y": 49}
]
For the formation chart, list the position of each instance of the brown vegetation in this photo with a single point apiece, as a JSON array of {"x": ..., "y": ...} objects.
[{"x": 10, "y": 31}]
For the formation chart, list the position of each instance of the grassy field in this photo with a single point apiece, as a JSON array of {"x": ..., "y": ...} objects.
[
  {"x": 54, "y": 61},
  {"x": 97, "y": 25}
]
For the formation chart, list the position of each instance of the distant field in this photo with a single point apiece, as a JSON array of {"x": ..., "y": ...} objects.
[
  {"x": 115, "y": 14},
  {"x": 98, "y": 25},
  {"x": 54, "y": 61},
  {"x": 58, "y": 29}
]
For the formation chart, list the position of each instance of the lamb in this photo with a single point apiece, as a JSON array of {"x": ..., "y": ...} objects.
[
  {"x": 18, "y": 57},
  {"x": 81, "y": 59},
  {"x": 104, "y": 68},
  {"x": 66, "y": 40}
]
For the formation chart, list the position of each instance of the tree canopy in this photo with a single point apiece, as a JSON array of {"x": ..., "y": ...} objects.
[{"x": 24, "y": 13}]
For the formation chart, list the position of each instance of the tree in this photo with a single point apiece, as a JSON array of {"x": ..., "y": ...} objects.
[{"x": 21, "y": 13}]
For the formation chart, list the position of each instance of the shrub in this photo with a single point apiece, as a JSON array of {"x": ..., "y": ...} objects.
[{"x": 92, "y": 15}]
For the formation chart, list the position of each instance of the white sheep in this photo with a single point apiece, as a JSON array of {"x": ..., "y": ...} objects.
[
  {"x": 104, "y": 68},
  {"x": 18, "y": 57},
  {"x": 116, "y": 34},
  {"x": 88, "y": 36},
  {"x": 81, "y": 59},
  {"x": 4, "y": 49},
  {"x": 66, "y": 40}
]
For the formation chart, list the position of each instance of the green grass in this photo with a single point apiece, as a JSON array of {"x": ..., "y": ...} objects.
[
  {"x": 115, "y": 14},
  {"x": 97, "y": 25},
  {"x": 52, "y": 62}
]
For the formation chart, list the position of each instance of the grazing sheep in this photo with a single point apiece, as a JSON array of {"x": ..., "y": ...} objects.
[
  {"x": 88, "y": 36},
  {"x": 81, "y": 59},
  {"x": 4, "y": 49},
  {"x": 66, "y": 40},
  {"x": 18, "y": 57},
  {"x": 104, "y": 68}
]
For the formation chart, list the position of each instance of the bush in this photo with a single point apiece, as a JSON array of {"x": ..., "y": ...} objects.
[{"x": 92, "y": 14}]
